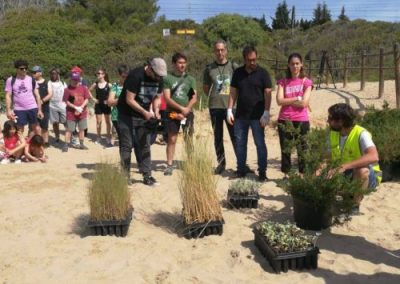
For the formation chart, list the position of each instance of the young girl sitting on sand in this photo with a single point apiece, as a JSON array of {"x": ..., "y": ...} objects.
[
  {"x": 13, "y": 144},
  {"x": 34, "y": 150}
]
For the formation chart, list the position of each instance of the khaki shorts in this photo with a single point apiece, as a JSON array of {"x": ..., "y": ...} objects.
[
  {"x": 72, "y": 124},
  {"x": 57, "y": 115}
]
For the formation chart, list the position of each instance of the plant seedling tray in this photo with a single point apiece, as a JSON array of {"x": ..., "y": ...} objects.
[
  {"x": 246, "y": 200},
  {"x": 200, "y": 230},
  {"x": 118, "y": 228},
  {"x": 284, "y": 261}
]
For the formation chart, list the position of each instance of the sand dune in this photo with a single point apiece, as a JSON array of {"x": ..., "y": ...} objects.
[{"x": 44, "y": 211}]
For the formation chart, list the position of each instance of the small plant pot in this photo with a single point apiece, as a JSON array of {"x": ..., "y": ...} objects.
[
  {"x": 243, "y": 200},
  {"x": 200, "y": 230},
  {"x": 309, "y": 217},
  {"x": 117, "y": 228},
  {"x": 307, "y": 259}
]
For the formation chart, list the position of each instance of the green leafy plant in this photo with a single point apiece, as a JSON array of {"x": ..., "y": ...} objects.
[
  {"x": 384, "y": 127},
  {"x": 244, "y": 186},
  {"x": 109, "y": 196},
  {"x": 322, "y": 190},
  {"x": 197, "y": 184},
  {"x": 287, "y": 237}
]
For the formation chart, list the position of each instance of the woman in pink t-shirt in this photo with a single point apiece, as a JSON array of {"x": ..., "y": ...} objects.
[{"x": 293, "y": 96}]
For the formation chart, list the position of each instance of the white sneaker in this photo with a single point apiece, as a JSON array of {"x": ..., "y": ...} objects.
[
  {"x": 17, "y": 161},
  {"x": 5, "y": 161}
]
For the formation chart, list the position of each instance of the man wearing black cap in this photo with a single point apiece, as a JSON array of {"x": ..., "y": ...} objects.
[{"x": 138, "y": 104}]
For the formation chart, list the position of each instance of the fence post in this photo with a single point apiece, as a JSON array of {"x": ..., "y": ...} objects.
[
  {"x": 326, "y": 71},
  {"x": 309, "y": 66},
  {"x": 363, "y": 57},
  {"x": 397, "y": 73},
  {"x": 276, "y": 67},
  {"x": 345, "y": 71},
  {"x": 381, "y": 79}
]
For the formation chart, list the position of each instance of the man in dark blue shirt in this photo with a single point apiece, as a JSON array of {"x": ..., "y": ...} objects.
[{"x": 251, "y": 88}]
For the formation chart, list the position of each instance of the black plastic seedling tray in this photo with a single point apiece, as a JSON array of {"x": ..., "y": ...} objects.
[
  {"x": 118, "y": 228},
  {"x": 284, "y": 261},
  {"x": 237, "y": 200},
  {"x": 200, "y": 230}
]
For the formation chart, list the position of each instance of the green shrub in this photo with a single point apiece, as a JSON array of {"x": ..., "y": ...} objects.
[{"x": 244, "y": 186}]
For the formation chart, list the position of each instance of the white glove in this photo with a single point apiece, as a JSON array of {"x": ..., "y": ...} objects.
[
  {"x": 264, "y": 118},
  {"x": 229, "y": 116},
  {"x": 79, "y": 109}
]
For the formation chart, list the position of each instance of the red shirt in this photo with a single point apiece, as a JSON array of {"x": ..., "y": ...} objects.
[
  {"x": 11, "y": 142},
  {"x": 76, "y": 95}
]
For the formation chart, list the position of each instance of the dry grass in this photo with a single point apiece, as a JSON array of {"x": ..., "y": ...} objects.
[
  {"x": 197, "y": 184},
  {"x": 109, "y": 196}
]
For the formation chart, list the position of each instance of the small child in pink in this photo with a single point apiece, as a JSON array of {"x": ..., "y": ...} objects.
[
  {"x": 34, "y": 150},
  {"x": 13, "y": 143}
]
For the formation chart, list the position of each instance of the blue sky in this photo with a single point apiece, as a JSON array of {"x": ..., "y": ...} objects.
[{"x": 198, "y": 10}]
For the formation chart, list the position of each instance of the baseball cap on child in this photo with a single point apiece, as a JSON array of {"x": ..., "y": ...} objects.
[
  {"x": 159, "y": 66},
  {"x": 36, "y": 69},
  {"x": 75, "y": 76},
  {"x": 76, "y": 69}
]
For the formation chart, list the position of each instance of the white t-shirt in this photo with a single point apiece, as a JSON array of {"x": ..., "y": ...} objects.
[{"x": 57, "y": 89}]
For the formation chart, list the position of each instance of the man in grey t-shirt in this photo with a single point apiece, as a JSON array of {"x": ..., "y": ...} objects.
[{"x": 216, "y": 84}]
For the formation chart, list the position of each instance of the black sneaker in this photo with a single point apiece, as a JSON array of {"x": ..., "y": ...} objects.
[
  {"x": 262, "y": 177},
  {"x": 220, "y": 169},
  {"x": 65, "y": 148},
  {"x": 239, "y": 174},
  {"x": 149, "y": 180},
  {"x": 247, "y": 170},
  {"x": 168, "y": 171}
]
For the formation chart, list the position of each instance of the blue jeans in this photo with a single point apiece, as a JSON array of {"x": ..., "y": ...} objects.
[{"x": 241, "y": 130}]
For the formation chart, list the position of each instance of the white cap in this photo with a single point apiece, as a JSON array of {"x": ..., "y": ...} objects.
[{"x": 159, "y": 66}]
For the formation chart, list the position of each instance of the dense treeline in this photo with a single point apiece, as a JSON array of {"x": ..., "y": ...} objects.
[{"x": 80, "y": 32}]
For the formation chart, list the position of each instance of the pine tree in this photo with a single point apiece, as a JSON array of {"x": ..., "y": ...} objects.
[
  {"x": 281, "y": 20},
  {"x": 342, "y": 16},
  {"x": 321, "y": 14}
]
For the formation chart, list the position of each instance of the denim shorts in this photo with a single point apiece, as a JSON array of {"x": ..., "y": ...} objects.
[
  {"x": 26, "y": 117},
  {"x": 372, "y": 177}
]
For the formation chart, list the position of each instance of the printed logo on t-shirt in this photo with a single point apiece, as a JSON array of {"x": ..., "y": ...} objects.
[
  {"x": 179, "y": 92},
  {"x": 21, "y": 89},
  {"x": 294, "y": 89},
  {"x": 223, "y": 84}
]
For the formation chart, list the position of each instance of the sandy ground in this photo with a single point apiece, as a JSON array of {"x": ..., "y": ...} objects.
[{"x": 44, "y": 211}]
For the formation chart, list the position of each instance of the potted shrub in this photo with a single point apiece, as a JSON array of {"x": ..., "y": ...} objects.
[
  {"x": 109, "y": 201},
  {"x": 202, "y": 214},
  {"x": 243, "y": 193},
  {"x": 286, "y": 246},
  {"x": 315, "y": 195},
  {"x": 385, "y": 129}
]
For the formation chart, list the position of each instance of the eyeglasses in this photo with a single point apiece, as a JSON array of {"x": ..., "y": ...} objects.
[
  {"x": 23, "y": 68},
  {"x": 99, "y": 73}
]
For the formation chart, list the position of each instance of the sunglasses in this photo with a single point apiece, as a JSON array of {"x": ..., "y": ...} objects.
[{"x": 23, "y": 68}]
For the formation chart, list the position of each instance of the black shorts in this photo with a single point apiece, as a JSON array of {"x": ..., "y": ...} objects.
[
  {"x": 173, "y": 125},
  {"x": 44, "y": 122},
  {"x": 102, "y": 109}
]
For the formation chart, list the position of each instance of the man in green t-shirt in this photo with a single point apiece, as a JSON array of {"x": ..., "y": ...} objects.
[
  {"x": 216, "y": 84},
  {"x": 180, "y": 95}
]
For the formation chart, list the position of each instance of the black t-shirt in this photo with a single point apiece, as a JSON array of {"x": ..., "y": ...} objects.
[
  {"x": 145, "y": 88},
  {"x": 43, "y": 92},
  {"x": 102, "y": 93},
  {"x": 250, "y": 92}
]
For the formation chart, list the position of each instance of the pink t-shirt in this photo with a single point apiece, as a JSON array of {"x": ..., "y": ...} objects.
[
  {"x": 23, "y": 97},
  {"x": 294, "y": 88},
  {"x": 76, "y": 95}
]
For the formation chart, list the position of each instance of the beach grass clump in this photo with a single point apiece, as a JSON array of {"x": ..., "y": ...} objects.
[
  {"x": 197, "y": 183},
  {"x": 244, "y": 186},
  {"x": 109, "y": 196}
]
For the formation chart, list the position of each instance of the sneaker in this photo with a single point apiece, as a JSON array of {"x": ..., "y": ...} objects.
[
  {"x": 239, "y": 174},
  {"x": 5, "y": 161},
  {"x": 109, "y": 145},
  {"x": 262, "y": 177},
  {"x": 17, "y": 161},
  {"x": 82, "y": 147},
  {"x": 168, "y": 171},
  {"x": 247, "y": 170},
  {"x": 149, "y": 180},
  {"x": 65, "y": 148},
  {"x": 219, "y": 169}
]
